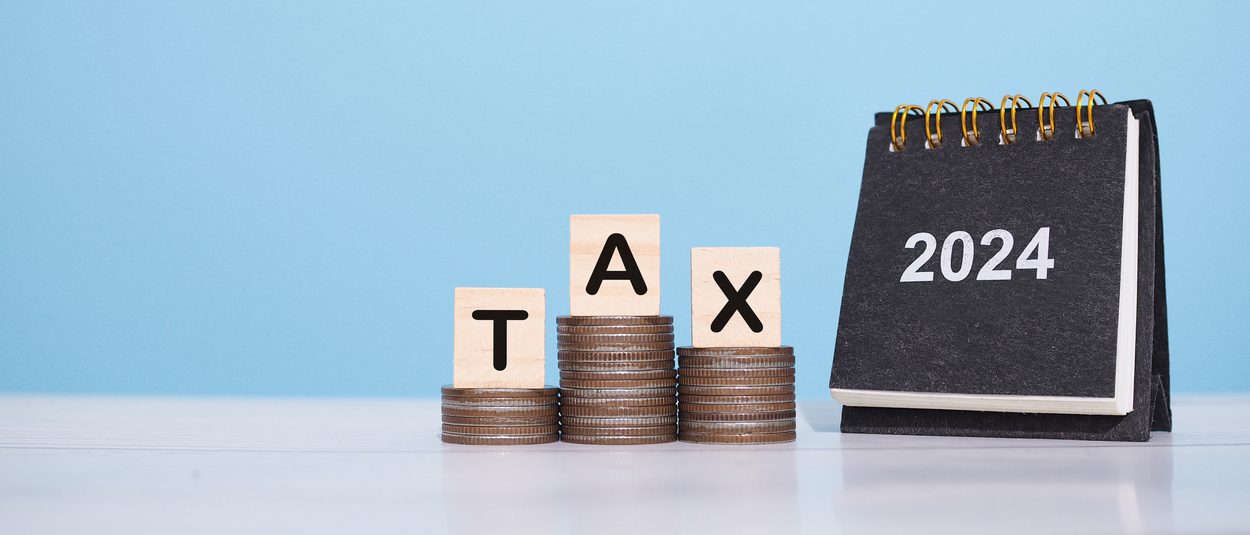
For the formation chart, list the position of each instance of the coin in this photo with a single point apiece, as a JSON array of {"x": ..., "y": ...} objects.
[
  {"x": 613, "y": 329},
  {"x": 618, "y": 393},
  {"x": 608, "y": 365},
  {"x": 720, "y": 372},
  {"x": 718, "y": 400},
  {"x": 617, "y": 441},
  {"x": 736, "y": 381},
  {"x": 616, "y": 411},
  {"x": 487, "y": 411},
  {"x": 623, "y": 383},
  {"x": 614, "y": 346},
  {"x": 687, "y": 351},
  {"x": 616, "y": 402},
  {"x": 619, "y": 421},
  {"x": 546, "y": 391},
  {"x": 565, "y": 339},
  {"x": 735, "y": 390},
  {"x": 621, "y": 431},
  {"x": 778, "y": 361},
  {"x": 755, "y": 416},
  {"x": 768, "y": 426},
  {"x": 741, "y": 407},
  {"x": 614, "y": 355},
  {"x": 749, "y": 438},
  {"x": 457, "y": 429},
  {"x": 500, "y": 440},
  {"x": 614, "y": 320},
  {"x": 449, "y": 401},
  {"x": 501, "y": 420},
  {"x": 617, "y": 375}
]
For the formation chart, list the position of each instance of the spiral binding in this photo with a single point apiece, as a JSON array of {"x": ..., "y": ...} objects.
[{"x": 1046, "y": 130}]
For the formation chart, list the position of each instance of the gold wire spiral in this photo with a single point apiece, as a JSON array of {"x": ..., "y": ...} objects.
[
  {"x": 1009, "y": 134},
  {"x": 898, "y": 137},
  {"x": 977, "y": 103},
  {"x": 1044, "y": 131},
  {"x": 1080, "y": 125},
  {"x": 936, "y": 141}
]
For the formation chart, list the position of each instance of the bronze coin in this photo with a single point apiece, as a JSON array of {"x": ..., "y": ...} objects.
[
  {"x": 449, "y": 401},
  {"x": 621, "y": 431},
  {"x": 613, "y": 339},
  {"x": 618, "y": 384},
  {"x": 614, "y": 411},
  {"x": 755, "y": 416},
  {"x": 737, "y": 363},
  {"x": 617, "y": 402},
  {"x": 719, "y": 372},
  {"x": 741, "y": 407},
  {"x": 617, "y": 441},
  {"x": 614, "y": 356},
  {"x": 501, "y": 420},
  {"x": 614, "y": 329},
  {"x": 736, "y": 381},
  {"x": 618, "y": 393},
  {"x": 619, "y": 421},
  {"x": 617, "y": 375},
  {"x": 609, "y": 366},
  {"x": 750, "y": 438},
  {"x": 773, "y": 398},
  {"x": 501, "y": 412},
  {"x": 767, "y": 426},
  {"x": 735, "y": 390},
  {"x": 500, "y": 440},
  {"x": 546, "y": 391},
  {"x": 687, "y": 351},
  {"x": 613, "y": 320},
  {"x": 457, "y": 429},
  {"x": 613, "y": 346}
]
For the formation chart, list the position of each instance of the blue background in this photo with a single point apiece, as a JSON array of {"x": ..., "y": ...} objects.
[{"x": 278, "y": 198}]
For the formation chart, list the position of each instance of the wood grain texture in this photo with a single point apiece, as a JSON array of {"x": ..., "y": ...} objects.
[
  {"x": 588, "y": 235},
  {"x": 707, "y": 298},
  {"x": 474, "y": 350}
]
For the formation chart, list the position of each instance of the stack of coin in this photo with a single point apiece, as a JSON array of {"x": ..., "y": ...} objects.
[
  {"x": 501, "y": 416},
  {"x": 617, "y": 382},
  {"x": 736, "y": 395}
]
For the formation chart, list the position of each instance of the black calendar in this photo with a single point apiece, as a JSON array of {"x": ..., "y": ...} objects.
[{"x": 1006, "y": 275}]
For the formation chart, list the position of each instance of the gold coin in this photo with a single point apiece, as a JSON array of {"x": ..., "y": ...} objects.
[
  {"x": 618, "y": 402},
  {"x": 619, "y": 421},
  {"x": 457, "y": 429},
  {"x": 613, "y": 339},
  {"x": 773, "y": 398},
  {"x": 624, "y": 383},
  {"x": 740, "y": 407},
  {"x": 621, "y": 431},
  {"x": 754, "y": 416},
  {"x": 501, "y": 420},
  {"x": 736, "y": 381},
  {"x": 720, "y": 372},
  {"x": 611, "y": 366},
  {"x": 764, "y": 426},
  {"x": 614, "y": 356},
  {"x": 617, "y": 375},
  {"x": 546, "y": 391},
  {"x": 737, "y": 363},
  {"x": 618, "y": 393},
  {"x": 613, "y": 346},
  {"x": 500, "y": 412},
  {"x": 613, "y": 329},
  {"x": 449, "y": 401}
]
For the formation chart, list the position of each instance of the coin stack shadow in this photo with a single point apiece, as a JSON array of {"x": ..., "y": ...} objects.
[
  {"x": 736, "y": 395},
  {"x": 501, "y": 416},
  {"x": 617, "y": 382}
]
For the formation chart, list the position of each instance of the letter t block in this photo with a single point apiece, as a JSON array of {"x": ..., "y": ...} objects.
[
  {"x": 499, "y": 338},
  {"x": 735, "y": 296}
]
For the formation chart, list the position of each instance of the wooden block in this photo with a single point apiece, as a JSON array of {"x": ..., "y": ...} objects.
[
  {"x": 735, "y": 296},
  {"x": 614, "y": 265},
  {"x": 489, "y": 320}
]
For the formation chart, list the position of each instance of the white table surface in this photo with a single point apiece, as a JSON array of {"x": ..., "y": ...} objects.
[{"x": 227, "y": 465}]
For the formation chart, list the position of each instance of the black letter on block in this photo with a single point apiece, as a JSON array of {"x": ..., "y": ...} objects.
[
  {"x": 631, "y": 273},
  {"x": 501, "y": 319},
  {"x": 737, "y": 302}
]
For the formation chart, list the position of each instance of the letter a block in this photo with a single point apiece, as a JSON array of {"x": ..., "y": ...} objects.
[
  {"x": 499, "y": 338},
  {"x": 614, "y": 265},
  {"x": 735, "y": 296}
]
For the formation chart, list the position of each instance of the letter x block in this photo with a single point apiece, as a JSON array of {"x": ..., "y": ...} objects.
[
  {"x": 499, "y": 338},
  {"x": 735, "y": 296},
  {"x": 614, "y": 265}
]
